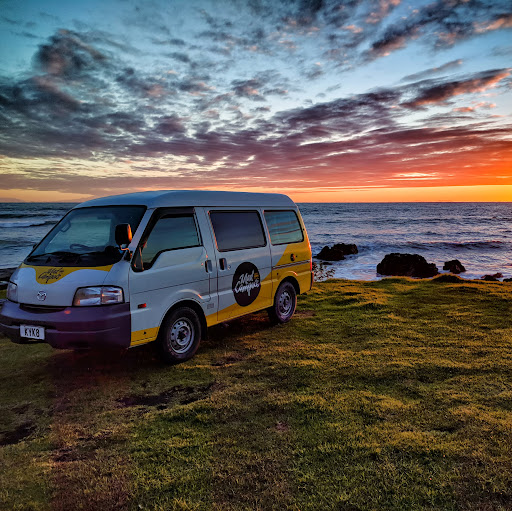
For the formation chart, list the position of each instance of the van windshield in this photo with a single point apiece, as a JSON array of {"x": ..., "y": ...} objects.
[{"x": 86, "y": 237}]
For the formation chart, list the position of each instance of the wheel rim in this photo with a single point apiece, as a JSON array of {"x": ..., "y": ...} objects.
[
  {"x": 285, "y": 304},
  {"x": 181, "y": 335}
]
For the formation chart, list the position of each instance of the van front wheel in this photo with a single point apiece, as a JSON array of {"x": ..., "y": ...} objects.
[
  {"x": 284, "y": 303},
  {"x": 180, "y": 335}
]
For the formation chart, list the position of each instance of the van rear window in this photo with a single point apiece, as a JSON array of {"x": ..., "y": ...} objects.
[
  {"x": 283, "y": 227},
  {"x": 235, "y": 230}
]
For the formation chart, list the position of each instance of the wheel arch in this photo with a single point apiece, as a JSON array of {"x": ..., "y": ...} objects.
[
  {"x": 293, "y": 281},
  {"x": 191, "y": 304}
]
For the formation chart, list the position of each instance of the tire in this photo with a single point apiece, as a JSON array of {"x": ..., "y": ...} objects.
[
  {"x": 285, "y": 302},
  {"x": 180, "y": 335}
]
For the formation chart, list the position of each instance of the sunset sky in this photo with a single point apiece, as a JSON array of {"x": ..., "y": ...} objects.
[{"x": 366, "y": 101}]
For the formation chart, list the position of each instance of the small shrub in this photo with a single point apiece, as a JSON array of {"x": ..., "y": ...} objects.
[{"x": 322, "y": 271}]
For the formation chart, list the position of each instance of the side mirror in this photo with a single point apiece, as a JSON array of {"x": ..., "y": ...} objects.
[{"x": 123, "y": 234}]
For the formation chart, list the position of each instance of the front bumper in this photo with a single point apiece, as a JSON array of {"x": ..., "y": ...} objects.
[{"x": 105, "y": 326}]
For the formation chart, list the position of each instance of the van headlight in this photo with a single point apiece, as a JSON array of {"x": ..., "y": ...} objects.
[
  {"x": 98, "y": 295},
  {"x": 12, "y": 292}
]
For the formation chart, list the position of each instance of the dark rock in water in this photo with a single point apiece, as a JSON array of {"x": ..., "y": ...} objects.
[
  {"x": 492, "y": 278},
  {"x": 330, "y": 254},
  {"x": 337, "y": 252},
  {"x": 454, "y": 266},
  {"x": 5, "y": 273},
  {"x": 406, "y": 265}
]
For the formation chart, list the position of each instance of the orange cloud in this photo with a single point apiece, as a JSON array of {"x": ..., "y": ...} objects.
[
  {"x": 443, "y": 92},
  {"x": 504, "y": 21}
]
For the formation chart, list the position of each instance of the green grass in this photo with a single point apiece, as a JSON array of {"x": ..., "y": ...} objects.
[{"x": 378, "y": 395}]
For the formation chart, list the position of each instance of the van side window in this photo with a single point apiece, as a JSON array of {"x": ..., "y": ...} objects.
[
  {"x": 170, "y": 232},
  {"x": 236, "y": 230},
  {"x": 283, "y": 227}
]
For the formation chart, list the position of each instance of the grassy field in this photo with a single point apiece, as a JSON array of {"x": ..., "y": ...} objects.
[{"x": 378, "y": 395}]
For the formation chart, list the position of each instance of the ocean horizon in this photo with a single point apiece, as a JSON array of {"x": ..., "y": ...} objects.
[{"x": 479, "y": 234}]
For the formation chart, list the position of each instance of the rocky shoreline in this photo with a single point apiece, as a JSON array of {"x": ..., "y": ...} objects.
[{"x": 402, "y": 265}]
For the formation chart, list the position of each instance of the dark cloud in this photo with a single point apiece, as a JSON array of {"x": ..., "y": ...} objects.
[
  {"x": 181, "y": 57},
  {"x": 445, "y": 23},
  {"x": 170, "y": 125},
  {"x": 346, "y": 115},
  {"x": 504, "y": 51},
  {"x": 263, "y": 84},
  {"x": 249, "y": 89},
  {"x": 168, "y": 42},
  {"x": 453, "y": 64},
  {"x": 133, "y": 82},
  {"x": 440, "y": 93},
  {"x": 67, "y": 55},
  {"x": 10, "y": 21},
  {"x": 27, "y": 35}
]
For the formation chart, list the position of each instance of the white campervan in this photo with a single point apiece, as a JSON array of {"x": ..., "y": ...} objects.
[{"x": 196, "y": 258}]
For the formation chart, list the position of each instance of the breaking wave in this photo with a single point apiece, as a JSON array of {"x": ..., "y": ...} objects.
[{"x": 32, "y": 223}]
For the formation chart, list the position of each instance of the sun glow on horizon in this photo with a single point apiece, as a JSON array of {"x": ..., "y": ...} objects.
[{"x": 478, "y": 193}]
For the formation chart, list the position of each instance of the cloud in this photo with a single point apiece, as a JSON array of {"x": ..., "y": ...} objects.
[
  {"x": 67, "y": 55},
  {"x": 453, "y": 64},
  {"x": 266, "y": 83},
  {"x": 441, "y": 93},
  {"x": 483, "y": 104},
  {"x": 383, "y": 9},
  {"x": 170, "y": 125},
  {"x": 444, "y": 23},
  {"x": 502, "y": 21}
]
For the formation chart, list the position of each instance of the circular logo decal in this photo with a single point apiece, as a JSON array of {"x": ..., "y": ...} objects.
[{"x": 246, "y": 284}]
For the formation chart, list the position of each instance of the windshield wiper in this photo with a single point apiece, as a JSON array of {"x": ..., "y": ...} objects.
[
  {"x": 37, "y": 256},
  {"x": 66, "y": 256},
  {"x": 61, "y": 256}
]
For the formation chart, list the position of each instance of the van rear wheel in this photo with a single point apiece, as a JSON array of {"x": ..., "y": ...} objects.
[
  {"x": 284, "y": 303},
  {"x": 180, "y": 335}
]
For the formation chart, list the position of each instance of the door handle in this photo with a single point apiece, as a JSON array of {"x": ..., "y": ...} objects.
[
  {"x": 223, "y": 263},
  {"x": 208, "y": 265}
]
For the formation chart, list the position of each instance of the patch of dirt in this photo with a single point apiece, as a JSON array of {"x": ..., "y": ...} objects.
[
  {"x": 20, "y": 433},
  {"x": 282, "y": 427},
  {"x": 21, "y": 409},
  {"x": 176, "y": 395},
  {"x": 243, "y": 326},
  {"x": 66, "y": 455},
  {"x": 307, "y": 313}
]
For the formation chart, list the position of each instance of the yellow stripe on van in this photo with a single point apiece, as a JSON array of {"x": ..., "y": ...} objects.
[
  {"x": 299, "y": 251},
  {"x": 227, "y": 313},
  {"x": 144, "y": 336},
  {"x": 51, "y": 274}
]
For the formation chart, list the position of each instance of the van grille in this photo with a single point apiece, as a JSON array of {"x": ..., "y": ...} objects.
[{"x": 40, "y": 309}]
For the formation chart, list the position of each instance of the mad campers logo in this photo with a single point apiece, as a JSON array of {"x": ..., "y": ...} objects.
[
  {"x": 246, "y": 284},
  {"x": 51, "y": 274}
]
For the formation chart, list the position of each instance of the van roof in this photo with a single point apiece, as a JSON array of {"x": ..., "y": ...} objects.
[{"x": 171, "y": 198}]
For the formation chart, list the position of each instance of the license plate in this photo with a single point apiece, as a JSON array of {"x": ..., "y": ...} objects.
[{"x": 32, "y": 332}]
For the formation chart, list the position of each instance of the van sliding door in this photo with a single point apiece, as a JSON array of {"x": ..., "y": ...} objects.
[{"x": 243, "y": 262}]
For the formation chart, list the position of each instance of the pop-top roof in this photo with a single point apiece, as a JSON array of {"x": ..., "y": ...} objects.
[{"x": 172, "y": 198}]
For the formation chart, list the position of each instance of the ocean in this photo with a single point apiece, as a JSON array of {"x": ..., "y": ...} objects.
[{"x": 478, "y": 234}]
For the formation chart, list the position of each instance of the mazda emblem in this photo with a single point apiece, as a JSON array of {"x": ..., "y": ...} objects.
[{"x": 41, "y": 296}]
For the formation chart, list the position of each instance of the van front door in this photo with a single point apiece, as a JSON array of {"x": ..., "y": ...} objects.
[
  {"x": 170, "y": 265},
  {"x": 243, "y": 262}
]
